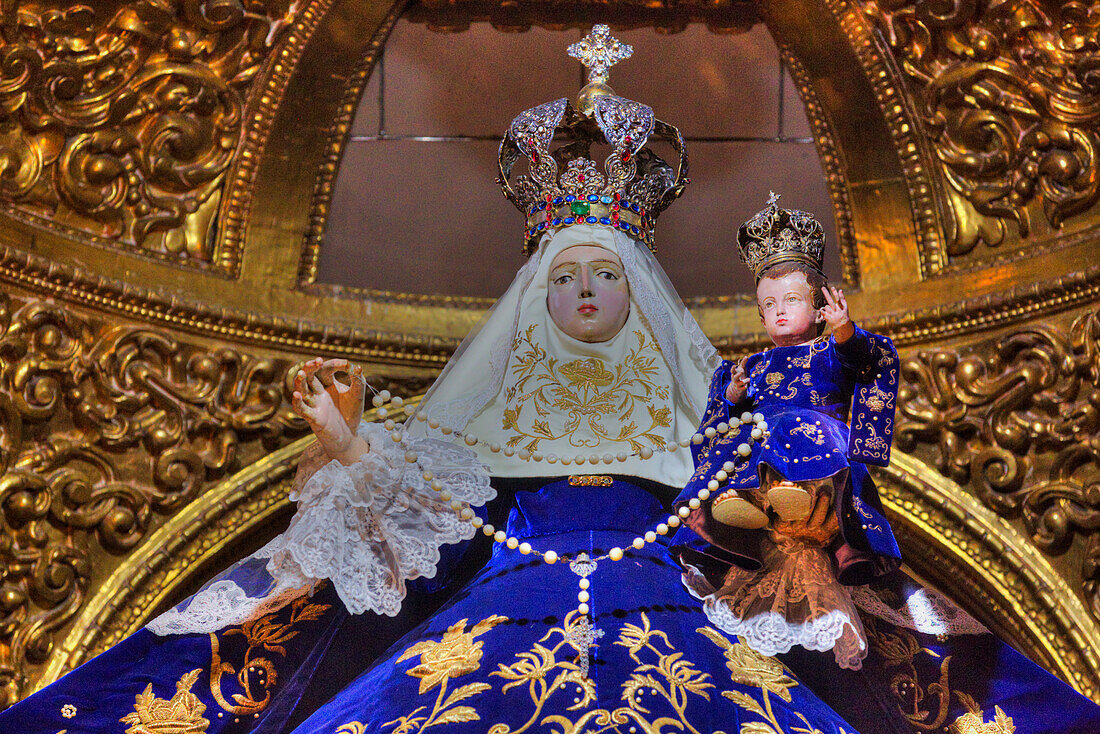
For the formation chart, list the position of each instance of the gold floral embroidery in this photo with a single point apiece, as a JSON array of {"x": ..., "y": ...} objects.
[
  {"x": 586, "y": 393},
  {"x": 590, "y": 480},
  {"x": 257, "y": 673},
  {"x": 180, "y": 715},
  {"x": 974, "y": 722},
  {"x": 455, "y": 655},
  {"x": 810, "y": 431},
  {"x": 352, "y": 727},
  {"x": 876, "y": 399},
  {"x": 773, "y": 378}
]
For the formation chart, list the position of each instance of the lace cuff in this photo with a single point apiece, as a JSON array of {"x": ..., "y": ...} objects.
[
  {"x": 794, "y": 599},
  {"x": 368, "y": 528}
]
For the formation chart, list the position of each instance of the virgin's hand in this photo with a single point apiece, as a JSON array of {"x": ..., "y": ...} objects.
[
  {"x": 318, "y": 405},
  {"x": 346, "y": 396},
  {"x": 835, "y": 313},
  {"x": 739, "y": 384}
]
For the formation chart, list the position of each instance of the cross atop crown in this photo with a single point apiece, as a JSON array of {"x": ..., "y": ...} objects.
[{"x": 599, "y": 51}]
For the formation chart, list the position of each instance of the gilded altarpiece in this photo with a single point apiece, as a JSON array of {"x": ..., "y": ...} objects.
[{"x": 158, "y": 255}]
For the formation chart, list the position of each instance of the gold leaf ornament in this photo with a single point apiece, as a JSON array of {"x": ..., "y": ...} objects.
[
  {"x": 182, "y": 714},
  {"x": 454, "y": 655}
]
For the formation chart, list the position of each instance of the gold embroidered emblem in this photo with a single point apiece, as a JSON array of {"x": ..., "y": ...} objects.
[
  {"x": 584, "y": 401},
  {"x": 182, "y": 714},
  {"x": 810, "y": 431},
  {"x": 590, "y": 480},
  {"x": 876, "y": 399},
  {"x": 974, "y": 722},
  {"x": 803, "y": 362},
  {"x": 773, "y": 378}
]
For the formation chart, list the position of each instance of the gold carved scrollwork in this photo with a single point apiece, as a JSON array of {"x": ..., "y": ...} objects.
[
  {"x": 1016, "y": 420},
  {"x": 104, "y": 430},
  {"x": 1009, "y": 97},
  {"x": 122, "y": 127}
]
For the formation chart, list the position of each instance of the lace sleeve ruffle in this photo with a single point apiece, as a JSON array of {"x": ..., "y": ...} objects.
[
  {"x": 368, "y": 528},
  {"x": 376, "y": 524}
]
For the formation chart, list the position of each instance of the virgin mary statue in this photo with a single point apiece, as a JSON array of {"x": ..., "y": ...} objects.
[{"x": 497, "y": 558}]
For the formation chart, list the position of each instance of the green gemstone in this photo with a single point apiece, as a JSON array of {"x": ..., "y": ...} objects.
[{"x": 580, "y": 208}]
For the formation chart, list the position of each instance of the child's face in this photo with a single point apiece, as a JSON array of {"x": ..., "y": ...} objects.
[{"x": 787, "y": 309}]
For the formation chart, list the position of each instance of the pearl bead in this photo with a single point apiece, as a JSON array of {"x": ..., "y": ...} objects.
[
  {"x": 594, "y": 459},
  {"x": 712, "y": 484},
  {"x": 500, "y": 536},
  {"x": 446, "y": 430},
  {"x": 409, "y": 410},
  {"x": 524, "y": 454},
  {"x": 638, "y": 543},
  {"x": 433, "y": 423},
  {"x": 671, "y": 446},
  {"x": 608, "y": 459},
  {"x": 744, "y": 449},
  {"x": 377, "y": 401},
  {"x": 419, "y": 416},
  {"x": 389, "y": 425},
  {"x": 746, "y": 417},
  {"x": 397, "y": 436},
  {"x": 729, "y": 466},
  {"x": 615, "y": 554},
  {"x": 550, "y": 556},
  {"x": 694, "y": 503},
  {"x": 551, "y": 458},
  {"x": 466, "y": 513},
  {"x": 566, "y": 460},
  {"x": 411, "y": 457},
  {"x": 674, "y": 520},
  {"x": 382, "y": 412},
  {"x": 684, "y": 511},
  {"x": 456, "y": 505},
  {"x": 704, "y": 494},
  {"x": 445, "y": 495},
  {"x": 436, "y": 485},
  {"x": 646, "y": 452},
  {"x": 582, "y": 608},
  {"x": 583, "y": 596},
  {"x": 650, "y": 536},
  {"x": 470, "y": 440},
  {"x": 488, "y": 529},
  {"x": 684, "y": 442},
  {"x": 662, "y": 529},
  {"x": 428, "y": 476},
  {"x": 584, "y": 583},
  {"x": 525, "y": 548},
  {"x": 756, "y": 433},
  {"x": 398, "y": 402},
  {"x": 758, "y": 417},
  {"x": 723, "y": 427},
  {"x": 536, "y": 456},
  {"x": 763, "y": 426},
  {"x": 495, "y": 448},
  {"x": 509, "y": 451},
  {"x": 477, "y": 522},
  {"x": 697, "y": 439},
  {"x": 385, "y": 395},
  {"x": 710, "y": 432},
  {"x": 512, "y": 543},
  {"x": 721, "y": 475},
  {"x": 621, "y": 456}
]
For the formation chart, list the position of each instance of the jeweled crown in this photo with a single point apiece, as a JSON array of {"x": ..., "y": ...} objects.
[
  {"x": 564, "y": 187},
  {"x": 775, "y": 235}
]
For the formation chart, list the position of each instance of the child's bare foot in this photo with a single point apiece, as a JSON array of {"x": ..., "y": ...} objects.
[{"x": 791, "y": 502}]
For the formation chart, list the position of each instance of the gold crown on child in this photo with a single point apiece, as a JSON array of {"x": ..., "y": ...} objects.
[
  {"x": 635, "y": 185},
  {"x": 775, "y": 235}
]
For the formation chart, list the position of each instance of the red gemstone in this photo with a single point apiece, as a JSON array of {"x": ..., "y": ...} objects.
[{"x": 580, "y": 177}]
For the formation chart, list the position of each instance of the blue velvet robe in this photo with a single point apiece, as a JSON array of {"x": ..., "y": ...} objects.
[{"x": 496, "y": 654}]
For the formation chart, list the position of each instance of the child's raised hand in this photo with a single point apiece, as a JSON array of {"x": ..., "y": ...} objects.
[
  {"x": 332, "y": 408},
  {"x": 835, "y": 313},
  {"x": 739, "y": 384}
]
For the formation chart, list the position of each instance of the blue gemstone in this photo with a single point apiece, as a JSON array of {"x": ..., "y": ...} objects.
[
  {"x": 633, "y": 229},
  {"x": 533, "y": 209},
  {"x": 593, "y": 198},
  {"x": 605, "y": 199},
  {"x": 591, "y": 220},
  {"x": 634, "y": 208},
  {"x": 605, "y": 220},
  {"x": 542, "y": 226},
  {"x": 624, "y": 226},
  {"x": 570, "y": 198},
  {"x": 569, "y": 220},
  {"x": 558, "y": 200},
  {"x": 556, "y": 222}
]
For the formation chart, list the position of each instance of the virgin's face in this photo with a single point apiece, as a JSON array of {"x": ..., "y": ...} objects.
[
  {"x": 588, "y": 296},
  {"x": 787, "y": 309}
]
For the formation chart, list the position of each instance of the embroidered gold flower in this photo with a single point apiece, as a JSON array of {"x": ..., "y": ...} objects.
[
  {"x": 454, "y": 655},
  {"x": 750, "y": 668},
  {"x": 973, "y": 723},
  {"x": 68, "y": 711},
  {"x": 587, "y": 373},
  {"x": 180, "y": 715},
  {"x": 773, "y": 378},
  {"x": 635, "y": 638}
]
